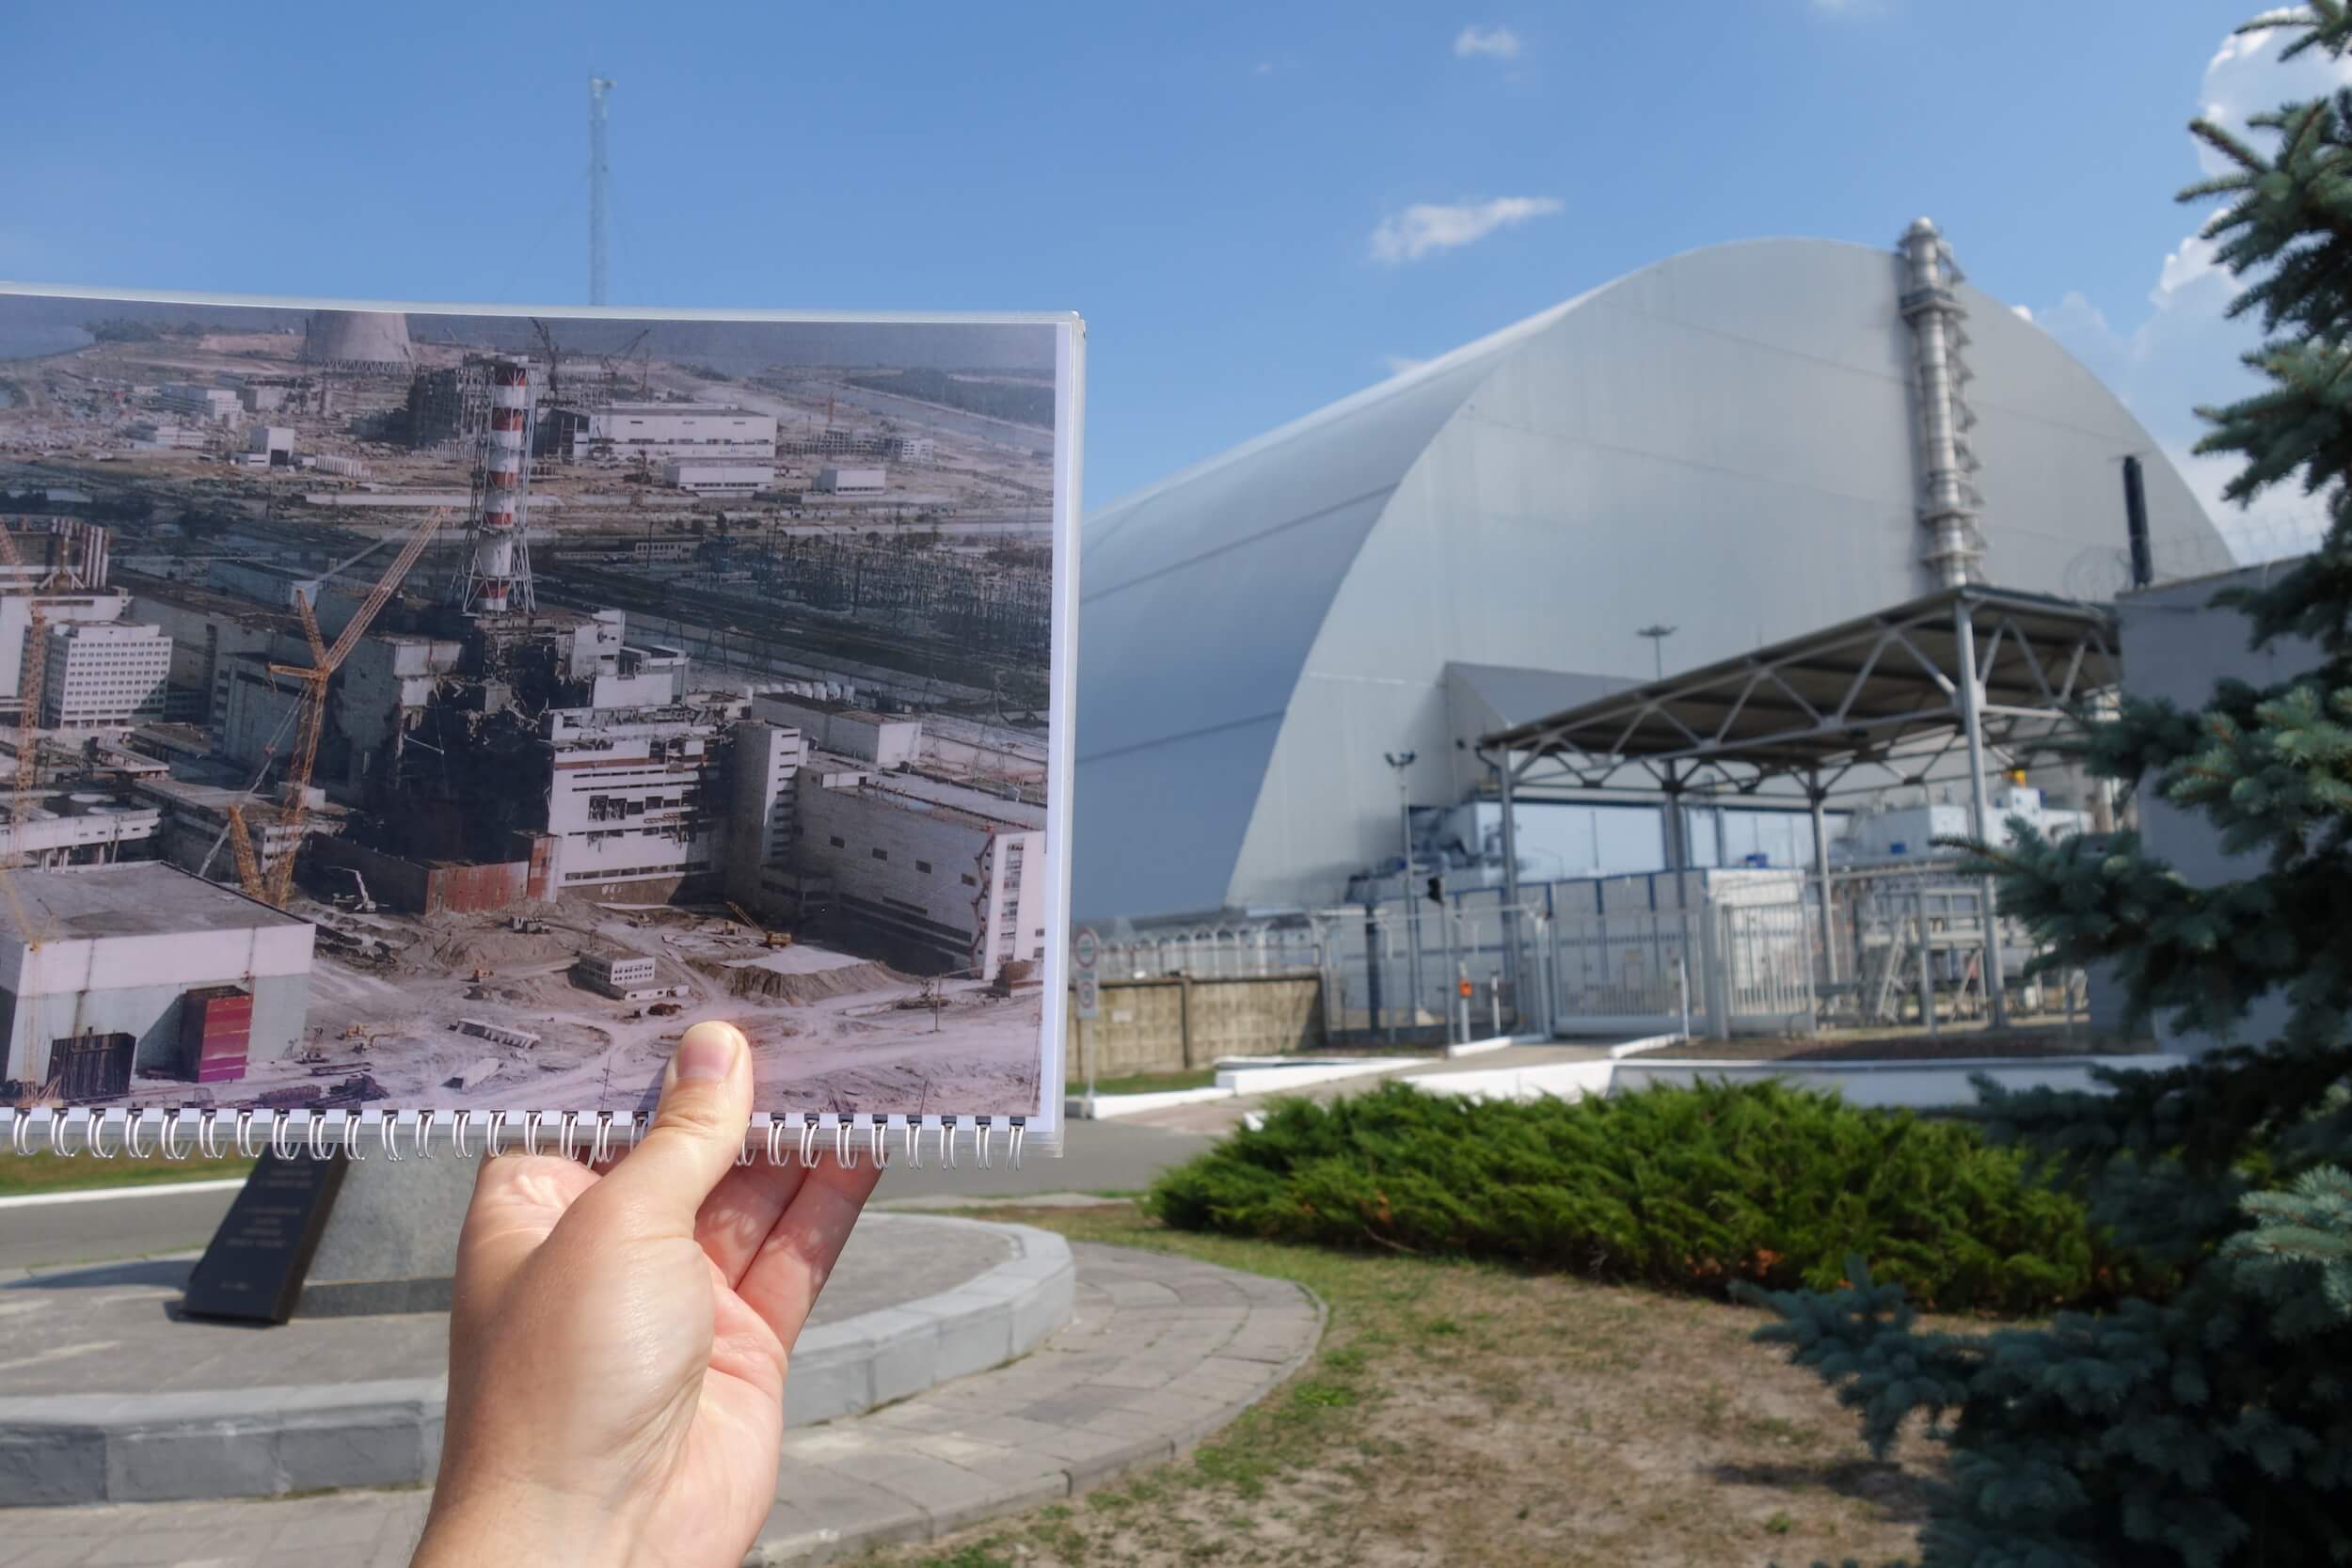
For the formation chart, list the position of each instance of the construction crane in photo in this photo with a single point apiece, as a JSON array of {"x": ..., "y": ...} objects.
[
  {"x": 249, "y": 866},
  {"x": 311, "y": 719}
]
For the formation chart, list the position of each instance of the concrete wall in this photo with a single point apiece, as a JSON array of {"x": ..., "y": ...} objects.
[
  {"x": 201, "y": 639},
  {"x": 897, "y": 868},
  {"x": 2176, "y": 645},
  {"x": 413, "y": 887},
  {"x": 1172, "y": 1025}
]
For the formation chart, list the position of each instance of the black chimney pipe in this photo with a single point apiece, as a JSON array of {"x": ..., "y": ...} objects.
[{"x": 2136, "y": 523}]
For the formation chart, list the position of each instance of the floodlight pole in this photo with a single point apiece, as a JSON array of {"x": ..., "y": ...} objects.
[
  {"x": 1815, "y": 795},
  {"x": 1504, "y": 774},
  {"x": 1972, "y": 724},
  {"x": 1656, "y": 635},
  {"x": 1401, "y": 761}
]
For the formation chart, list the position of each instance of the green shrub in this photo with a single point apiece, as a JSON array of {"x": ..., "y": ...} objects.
[{"x": 1691, "y": 1188}]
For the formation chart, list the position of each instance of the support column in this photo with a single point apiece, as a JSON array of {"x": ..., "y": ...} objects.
[
  {"x": 1814, "y": 797},
  {"x": 1678, "y": 831},
  {"x": 1972, "y": 724},
  {"x": 1504, "y": 772}
]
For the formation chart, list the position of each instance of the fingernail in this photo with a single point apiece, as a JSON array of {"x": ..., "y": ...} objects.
[{"x": 707, "y": 1052}]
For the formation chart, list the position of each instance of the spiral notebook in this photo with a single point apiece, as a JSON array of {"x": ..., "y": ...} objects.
[{"x": 415, "y": 717}]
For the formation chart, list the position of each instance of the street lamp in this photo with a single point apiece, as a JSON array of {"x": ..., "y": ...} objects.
[
  {"x": 1656, "y": 635},
  {"x": 1401, "y": 761}
]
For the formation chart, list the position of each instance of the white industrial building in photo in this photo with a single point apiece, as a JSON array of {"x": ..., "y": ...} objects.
[
  {"x": 852, "y": 482},
  {"x": 210, "y": 404},
  {"x": 1724, "y": 449},
  {"x": 710, "y": 432},
  {"x": 957, "y": 884},
  {"x": 708, "y": 478},
  {"x": 56, "y": 610},
  {"x": 633, "y": 797},
  {"x": 104, "y": 674},
  {"x": 127, "y": 953}
]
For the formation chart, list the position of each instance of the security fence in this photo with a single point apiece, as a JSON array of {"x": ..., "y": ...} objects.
[{"x": 1899, "y": 948}]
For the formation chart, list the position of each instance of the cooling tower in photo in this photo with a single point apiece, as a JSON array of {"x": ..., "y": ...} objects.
[{"x": 359, "y": 340}]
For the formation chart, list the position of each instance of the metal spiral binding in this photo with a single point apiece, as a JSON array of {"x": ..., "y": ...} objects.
[{"x": 598, "y": 1137}]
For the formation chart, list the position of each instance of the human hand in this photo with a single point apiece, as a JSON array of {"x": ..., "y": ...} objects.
[{"x": 618, "y": 1340}]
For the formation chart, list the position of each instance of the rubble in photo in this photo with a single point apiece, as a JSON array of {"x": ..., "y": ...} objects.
[{"x": 447, "y": 711}]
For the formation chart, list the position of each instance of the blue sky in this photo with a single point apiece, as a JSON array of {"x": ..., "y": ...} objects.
[{"x": 1259, "y": 209}]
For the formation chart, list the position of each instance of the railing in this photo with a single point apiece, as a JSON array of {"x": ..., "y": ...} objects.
[{"x": 1397, "y": 972}]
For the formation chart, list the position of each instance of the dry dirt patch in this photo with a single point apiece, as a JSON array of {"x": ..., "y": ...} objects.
[{"x": 1463, "y": 1414}]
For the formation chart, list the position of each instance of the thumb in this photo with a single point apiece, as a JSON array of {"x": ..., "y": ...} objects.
[{"x": 697, "y": 1130}]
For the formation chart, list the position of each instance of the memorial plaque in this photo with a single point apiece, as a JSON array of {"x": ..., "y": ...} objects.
[{"x": 253, "y": 1270}]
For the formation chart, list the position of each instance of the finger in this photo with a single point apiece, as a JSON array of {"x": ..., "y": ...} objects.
[
  {"x": 696, "y": 1135},
  {"x": 741, "y": 1210},
  {"x": 796, "y": 1259}
]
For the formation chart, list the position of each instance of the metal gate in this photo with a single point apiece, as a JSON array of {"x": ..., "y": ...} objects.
[{"x": 91, "y": 1066}]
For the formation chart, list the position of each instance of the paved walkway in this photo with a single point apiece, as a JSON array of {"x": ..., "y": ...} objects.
[
  {"x": 1162, "y": 1352},
  {"x": 116, "y": 1329}
]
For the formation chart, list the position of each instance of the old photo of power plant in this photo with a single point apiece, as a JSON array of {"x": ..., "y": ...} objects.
[{"x": 407, "y": 709}]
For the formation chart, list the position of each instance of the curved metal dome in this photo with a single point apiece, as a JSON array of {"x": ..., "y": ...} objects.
[
  {"x": 1723, "y": 441},
  {"x": 375, "y": 340}
]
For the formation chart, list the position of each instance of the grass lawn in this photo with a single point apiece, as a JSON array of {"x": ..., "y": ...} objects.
[
  {"x": 1460, "y": 1413},
  {"x": 47, "y": 1173}
]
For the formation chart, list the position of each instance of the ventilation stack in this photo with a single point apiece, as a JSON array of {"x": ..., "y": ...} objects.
[
  {"x": 495, "y": 576},
  {"x": 1948, "y": 502}
]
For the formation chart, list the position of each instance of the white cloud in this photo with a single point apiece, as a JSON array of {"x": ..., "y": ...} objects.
[
  {"x": 1426, "y": 227},
  {"x": 2023, "y": 312},
  {"x": 1265, "y": 68},
  {"x": 1500, "y": 42},
  {"x": 1397, "y": 364},
  {"x": 2245, "y": 76},
  {"x": 2075, "y": 316},
  {"x": 2183, "y": 350},
  {"x": 2191, "y": 278}
]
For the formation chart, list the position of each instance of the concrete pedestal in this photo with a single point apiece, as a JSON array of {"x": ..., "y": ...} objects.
[{"x": 391, "y": 1243}]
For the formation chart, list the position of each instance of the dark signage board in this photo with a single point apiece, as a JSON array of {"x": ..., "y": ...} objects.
[{"x": 253, "y": 1270}]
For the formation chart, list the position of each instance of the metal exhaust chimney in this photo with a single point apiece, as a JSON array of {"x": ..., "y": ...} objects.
[{"x": 2136, "y": 523}]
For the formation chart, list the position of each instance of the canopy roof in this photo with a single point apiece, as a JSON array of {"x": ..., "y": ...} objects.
[{"x": 1862, "y": 706}]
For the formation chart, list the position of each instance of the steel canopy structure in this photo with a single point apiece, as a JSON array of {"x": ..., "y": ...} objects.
[{"x": 1921, "y": 694}]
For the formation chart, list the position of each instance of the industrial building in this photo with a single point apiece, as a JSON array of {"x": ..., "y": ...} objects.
[
  {"x": 852, "y": 482},
  {"x": 946, "y": 886},
  {"x": 713, "y": 478},
  {"x": 143, "y": 970},
  {"x": 169, "y": 436},
  {"x": 209, "y": 632},
  {"x": 1723, "y": 449},
  {"x": 79, "y": 827},
  {"x": 633, "y": 799},
  {"x": 842, "y": 729},
  {"x": 102, "y": 674},
  {"x": 655, "y": 432},
  {"x": 209, "y": 405},
  {"x": 272, "y": 443}
]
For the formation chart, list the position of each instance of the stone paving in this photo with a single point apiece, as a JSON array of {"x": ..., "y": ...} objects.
[
  {"x": 1162, "y": 1352},
  {"x": 115, "y": 1328}
]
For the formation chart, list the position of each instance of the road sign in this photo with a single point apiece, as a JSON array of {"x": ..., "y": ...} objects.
[
  {"x": 1466, "y": 989},
  {"x": 1086, "y": 948},
  {"x": 1090, "y": 995}
]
